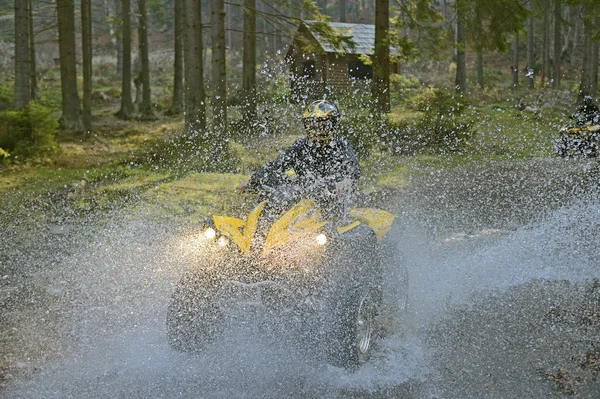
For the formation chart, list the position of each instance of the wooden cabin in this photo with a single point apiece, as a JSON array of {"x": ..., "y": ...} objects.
[{"x": 317, "y": 65}]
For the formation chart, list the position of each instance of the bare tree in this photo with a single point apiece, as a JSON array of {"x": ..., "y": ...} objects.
[
  {"x": 530, "y": 49},
  {"x": 146, "y": 105},
  {"x": 249, "y": 60},
  {"x": 32, "y": 63},
  {"x": 195, "y": 97},
  {"x": 70, "y": 119},
  {"x": 381, "y": 58},
  {"x": 460, "y": 82},
  {"x": 515, "y": 69},
  {"x": 22, "y": 55},
  {"x": 546, "y": 44},
  {"x": 126, "y": 102},
  {"x": 119, "y": 36},
  {"x": 218, "y": 67},
  {"x": 177, "y": 104},
  {"x": 86, "y": 44},
  {"x": 557, "y": 44}
]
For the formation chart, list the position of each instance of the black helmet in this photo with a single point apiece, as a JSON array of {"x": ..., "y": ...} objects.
[{"x": 320, "y": 120}]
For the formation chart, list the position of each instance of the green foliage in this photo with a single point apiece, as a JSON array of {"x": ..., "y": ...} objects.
[
  {"x": 30, "y": 132},
  {"x": 439, "y": 103},
  {"x": 489, "y": 22},
  {"x": 6, "y": 95},
  {"x": 400, "y": 82}
]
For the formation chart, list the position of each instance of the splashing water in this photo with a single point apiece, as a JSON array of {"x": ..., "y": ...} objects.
[{"x": 110, "y": 291}]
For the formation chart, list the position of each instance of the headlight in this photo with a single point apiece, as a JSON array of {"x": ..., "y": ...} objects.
[
  {"x": 210, "y": 233},
  {"x": 222, "y": 241},
  {"x": 321, "y": 239}
]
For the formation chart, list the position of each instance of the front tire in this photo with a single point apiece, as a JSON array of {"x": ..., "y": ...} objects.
[
  {"x": 194, "y": 319},
  {"x": 355, "y": 330}
]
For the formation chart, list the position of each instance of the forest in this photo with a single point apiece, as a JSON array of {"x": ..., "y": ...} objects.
[
  {"x": 220, "y": 65},
  {"x": 126, "y": 124}
]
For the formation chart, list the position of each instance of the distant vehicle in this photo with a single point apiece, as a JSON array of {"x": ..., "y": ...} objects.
[
  {"x": 289, "y": 260},
  {"x": 581, "y": 139}
]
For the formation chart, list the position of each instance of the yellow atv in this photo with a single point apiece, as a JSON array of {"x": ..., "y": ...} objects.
[
  {"x": 288, "y": 259},
  {"x": 582, "y": 139}
]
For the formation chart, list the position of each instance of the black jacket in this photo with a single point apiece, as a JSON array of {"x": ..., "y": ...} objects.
[{"x": 311, "y": 161}]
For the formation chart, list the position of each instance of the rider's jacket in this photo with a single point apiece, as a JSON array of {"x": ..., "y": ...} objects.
[{"x": 311, "y": 161}]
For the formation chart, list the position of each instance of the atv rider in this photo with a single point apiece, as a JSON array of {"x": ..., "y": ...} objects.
[
  {"x": 588, "y": 111},
  {"x": 324, "y": 164}
]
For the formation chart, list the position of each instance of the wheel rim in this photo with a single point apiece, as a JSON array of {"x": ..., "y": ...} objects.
[{"x": 364, "y": 325}]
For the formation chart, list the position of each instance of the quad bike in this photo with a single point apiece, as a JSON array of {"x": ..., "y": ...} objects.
[
  {"x": 292, "y": 259},
  {"x": 581, "y": 140}
]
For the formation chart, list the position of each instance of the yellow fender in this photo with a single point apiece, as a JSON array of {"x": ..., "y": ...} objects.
[
  {"x": 302, "y": 219},
  {"x": 231, "y": 227},
  {"x": 378, "y": 220}
]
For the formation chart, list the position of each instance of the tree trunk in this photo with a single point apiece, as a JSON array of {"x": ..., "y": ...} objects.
[
  {"x": 22, "y": 55},
  {"x": 343, "y": 10},
  {"x": 530, "y": 51},
  {"x": 515, "y": 71},
  {"x": 32, "y": 63},
  {"x": 86, "y": 46},
  {"x": 585, "y": 84},
  {"x": 461, "y": 65},
  {"x": 177, "y": 104},
  {"x": 146, "y": 106},
  {"x": 119, "y": 37},
  {"x": 70, "y": 119},
  {"x": 576, "y": 34},
  {"x": 557, "y": 45},
  {"x": 594, "y": 68},
  {"x": 480, "y": 70},
  {"x": 195, "y": 97},
  {"x": 381, "y": 59},
  {"x": 126, "y": 102},
  {"x": 546, "y": 46},
  {"x": 218, "y": 67},
  {"x": 249, "y": 61}
]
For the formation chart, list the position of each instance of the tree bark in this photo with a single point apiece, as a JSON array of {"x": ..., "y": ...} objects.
[
  {"x": 32, "y": 63},
  {"x": 70, "y": 119},
  {"x": 381, "y": 59},
  {"x": 119, "y": 37},
  {"x": 461, "y": 65},
  {"x": 515, "y": 71},
  {"x": 585, "y": 84},
  {"x": 249, "y": 61},
  {"x": 546, "y": 46},
  {"x": 177, "y": 104},
  {"x": 480, "y": 81},
  {"x": 343, "y": 11},
  {"x": 22, "y": 55},
  {"x": 146, "y": 106},
  {"x": 195, "y": 97},
  {"x": 126, "y": 101},
  {"x": 576, "y": 34},
  {"x": 86, "y": 44},
  {"x": 594, "y": 68},
  {"x": 530, "y": 50},
  {"x": 557, "y": 45},
  {"x": 218, "y": 67}
]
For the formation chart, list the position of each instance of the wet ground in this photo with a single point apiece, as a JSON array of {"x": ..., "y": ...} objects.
[{"x": 492, "y": 248}]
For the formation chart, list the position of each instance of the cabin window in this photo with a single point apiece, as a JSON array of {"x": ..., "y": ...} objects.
[
  {"x": 358, "y": 70},
  {"x": 308, "y": 69}
]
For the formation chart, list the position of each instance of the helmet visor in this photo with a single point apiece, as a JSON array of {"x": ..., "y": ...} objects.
[{"x": 319, "y": 128}]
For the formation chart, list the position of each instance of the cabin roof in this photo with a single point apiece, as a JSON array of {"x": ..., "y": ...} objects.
[{"x": 362, "y": 35}]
